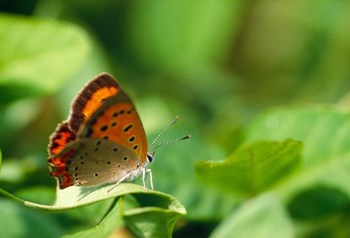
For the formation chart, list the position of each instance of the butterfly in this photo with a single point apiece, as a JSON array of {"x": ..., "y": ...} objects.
[{"x": 102, "y": 141}]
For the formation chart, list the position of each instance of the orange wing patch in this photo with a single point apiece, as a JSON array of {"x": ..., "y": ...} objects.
[
  {"x": 97, "y": 99},
  {"x": 90, "y": 99}
]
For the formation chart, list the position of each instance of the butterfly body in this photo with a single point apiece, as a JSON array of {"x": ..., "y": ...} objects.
[{"x": 103, "y": 140}]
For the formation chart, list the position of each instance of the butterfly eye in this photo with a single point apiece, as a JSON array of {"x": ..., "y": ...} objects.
[{"x": 149, "y": 158}]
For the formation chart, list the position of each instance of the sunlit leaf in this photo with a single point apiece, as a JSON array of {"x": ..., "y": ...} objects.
[
  {"x": 160, "y": 211},
  {"x": 252, "y": 168},
  {"x": 73, "y": 197},
  {"x": 324, "y": 130}
]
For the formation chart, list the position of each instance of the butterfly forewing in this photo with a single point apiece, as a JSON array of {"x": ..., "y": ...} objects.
[{"x": 118, "y": 121}]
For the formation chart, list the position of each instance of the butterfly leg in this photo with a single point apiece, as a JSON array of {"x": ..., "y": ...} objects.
[
  {"x": 115, "y": 185},
  {"x": 144, "y": 172},
  {"x": 150, "y": 177},
  {"x": 144, "y": 178}
]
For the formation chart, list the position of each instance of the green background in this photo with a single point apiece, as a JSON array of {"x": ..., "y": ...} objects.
[{"x": 262, "y": 87}]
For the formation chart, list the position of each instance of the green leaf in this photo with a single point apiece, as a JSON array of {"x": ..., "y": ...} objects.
[
  {"x": 320, "y": 188},
  {"x": 324, "y": 130},
  {"x": 73, "y": 196},
  {"x": 263, "y": 216},
  {"x": 159, "y": 205},
  {"x": 111, "y": 222},
  {"x": 38, "y": 55},
  {"x": 252, "y": 168},
  {"x": 156, "y": 218},
  {"x": 151, "y": 222}
]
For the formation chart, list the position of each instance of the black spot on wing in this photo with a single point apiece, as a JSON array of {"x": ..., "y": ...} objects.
[
  {"x": 104, "y": 128},
  {"x": 127, "y": 128}
]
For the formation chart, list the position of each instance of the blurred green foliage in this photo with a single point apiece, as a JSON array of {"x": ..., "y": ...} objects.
[{"x": 244, "y": 76}]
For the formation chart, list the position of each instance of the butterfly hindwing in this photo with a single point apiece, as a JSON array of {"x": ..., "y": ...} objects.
[{"x": 91, "y": 162}]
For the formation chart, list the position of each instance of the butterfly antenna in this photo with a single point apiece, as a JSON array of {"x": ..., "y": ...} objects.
[
  {"x": 170, "y": 142},
  {"x": 164, "y": 130}
]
